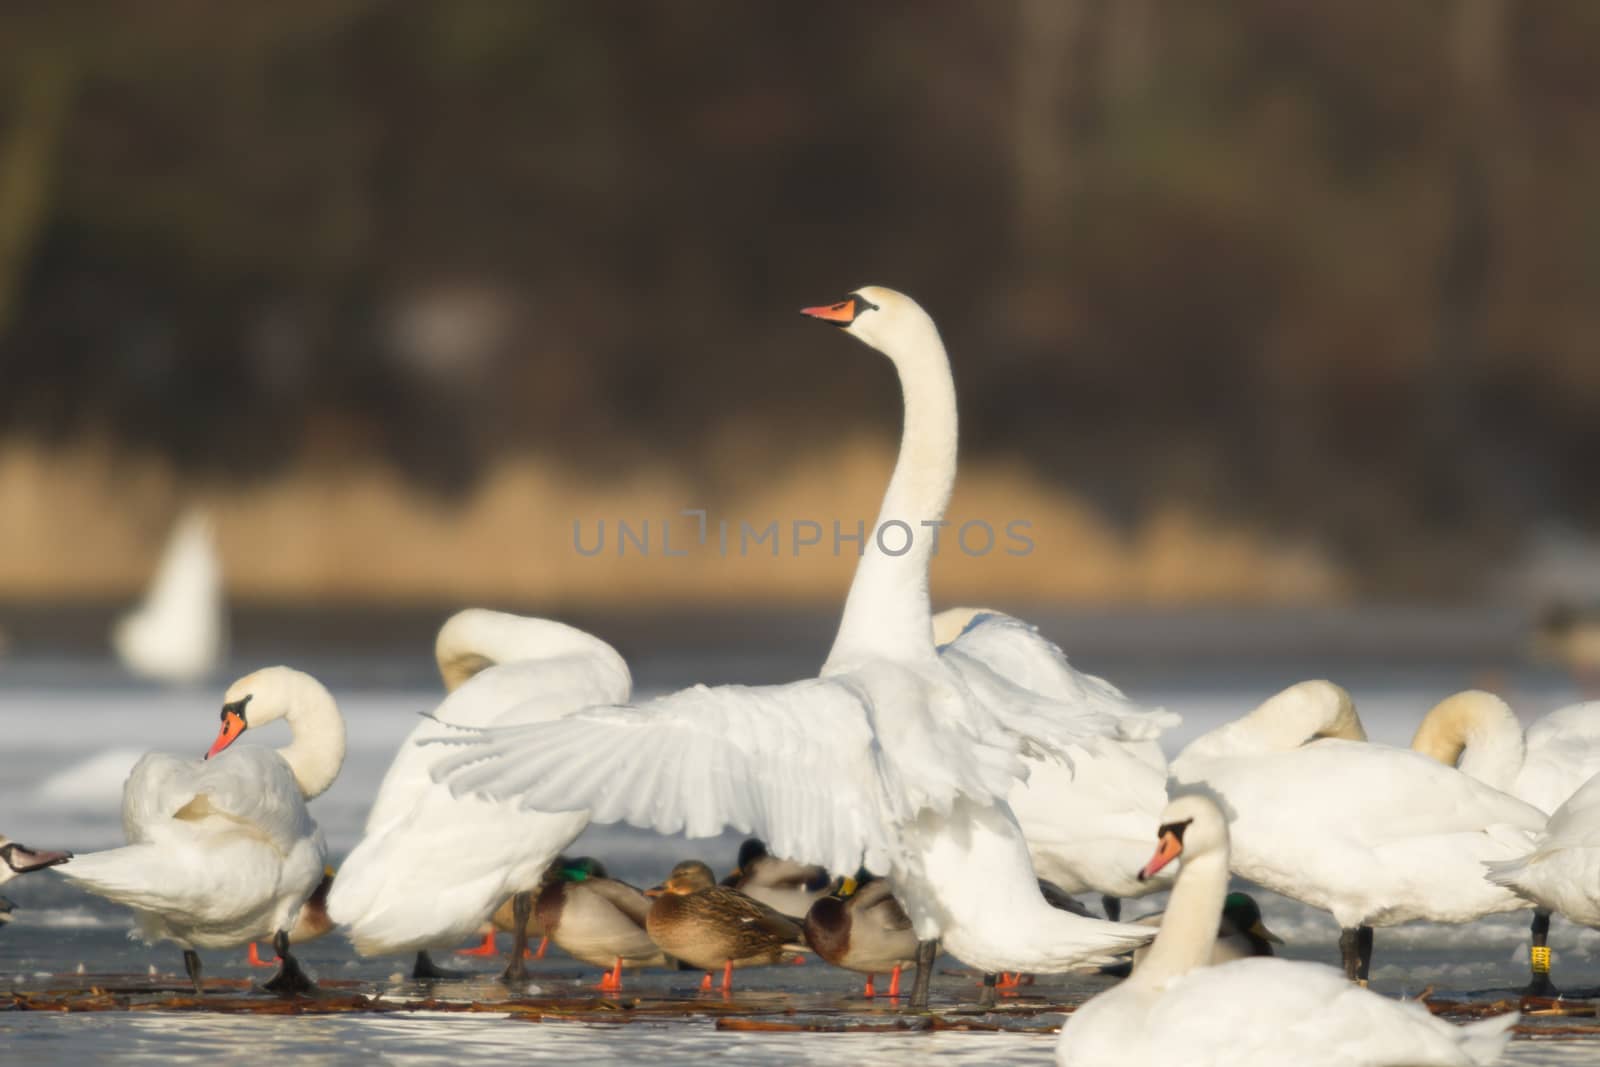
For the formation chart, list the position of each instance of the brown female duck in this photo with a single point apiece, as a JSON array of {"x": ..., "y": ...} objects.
[{"x": 709, "y": 926}]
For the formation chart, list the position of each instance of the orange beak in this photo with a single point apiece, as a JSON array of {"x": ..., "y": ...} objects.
[
  {"x": 841, "y": 314},
  {"x": 233, "y": 725},
  {"x": 1168, "y": 850},
  {"x": 655, "y": 891}
]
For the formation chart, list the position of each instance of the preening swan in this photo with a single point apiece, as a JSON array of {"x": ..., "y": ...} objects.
[
  {"x": 432, "y": 867},
  {"x": 179, "y": 633},
  {"x": 890, "y": 759},
  {"x": 1373, "y": 834},
  {"x": 1088, "y": 823},
  {"x": 222, "y": 851},
  {"x": 1176, "y": 1011},
  {"x": 1478, "y": 733}
]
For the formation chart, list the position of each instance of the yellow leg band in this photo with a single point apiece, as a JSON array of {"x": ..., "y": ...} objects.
[{"x": 1539, "y": 959}]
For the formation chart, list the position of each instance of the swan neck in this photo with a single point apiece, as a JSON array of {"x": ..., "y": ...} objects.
[
  {"x": 1476, "y": 732},
  {"x": 474, "y": 640},
  {"x": 887, "y": 613},
  {"x": 316, "y": 751},
  {"x": 1188, "y": 932}
]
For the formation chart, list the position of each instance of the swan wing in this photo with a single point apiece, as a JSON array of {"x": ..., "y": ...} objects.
[
  {"x": 1019, "y": 653},
  {"x": 795, "y": 764},
  {"x": 1563, "y": 752},
  {"x": 247, "y": 788}
]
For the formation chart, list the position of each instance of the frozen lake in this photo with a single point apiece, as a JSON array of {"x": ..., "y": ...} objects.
[{"x": 73, "y": 726}]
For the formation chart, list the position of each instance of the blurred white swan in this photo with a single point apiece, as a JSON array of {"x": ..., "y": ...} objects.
[
  {"x": 178, "y": 634},
  {"x": 1176, "y": 1011}
]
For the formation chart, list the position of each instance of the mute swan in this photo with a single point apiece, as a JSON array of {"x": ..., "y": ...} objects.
[
  {"x": 866, "y": 931},
  {"x": 787, "y": 887},
  {"x": 1175, "y": 1011},
  {"x": 179, "y": 633},
  {"x": 709, "y": 926},
  {"x": 223, "y": 852},
  {"x": 594, "y": 918},
  {"x": 432, "y": 868},
  {"x": 1373, "y": 834},
  {"x": 891, "y": 759},
  {"x": 1088, "y": 824},
  {"x": 1479, "y": 734}
]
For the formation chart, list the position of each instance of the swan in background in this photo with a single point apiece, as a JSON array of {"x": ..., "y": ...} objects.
[
  {"x": 222, "y": 851},
  {"x": 1479, "y": 734},
  {"x": 1088, "y": 823},
  {"x": 891, "y": 759},
  {"x": 1176, "y": 1011},
  {"x": 432, "y": 868},
  {"x": 1374, "y": 835},
  {"x": 178, "y": 634}
]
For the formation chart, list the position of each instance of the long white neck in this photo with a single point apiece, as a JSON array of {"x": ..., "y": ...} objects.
[
  {"x": 1299, "y": 714},
  {"x": 1477, "y": 732},
  {"x": 316, "y": 751},
  {"x": 475, "y": 639},
  {"x": 887, "y": 613},
  {"x": 1189, "y": 927}
]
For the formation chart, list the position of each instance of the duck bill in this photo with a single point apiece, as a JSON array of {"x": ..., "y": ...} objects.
[
  {"x": 232, "y": 726},
  {"x": 1259, "y": 929},
  {"x": 655, "y": 891},
  {"x": 22, "y": 860},
  {"x": 841, "y": 314},
  {"x": 1168, "y": 850}
]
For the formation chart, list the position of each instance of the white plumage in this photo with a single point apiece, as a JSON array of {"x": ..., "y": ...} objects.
[{"x": 178, "y": 634}]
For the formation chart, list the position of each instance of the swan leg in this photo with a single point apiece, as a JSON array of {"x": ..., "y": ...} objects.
[
  {"x": 290, "y": 979},
  {"x": 927, "y": 951},
  {"x": 521, "y": 908},
  {"x": 1113, "y": 907},
  {"x": 1349, "y": 955},
  {"x": 986, "y": 999},
  {"x": 191, "y": 967},
  {"x": 1364, "y": 951},
  {"x": 1539, "y": 984},
  {"x": 424, "y": 969}
]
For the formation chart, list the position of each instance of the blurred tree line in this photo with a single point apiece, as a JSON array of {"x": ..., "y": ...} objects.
[{"x": 1328, "y": 266}]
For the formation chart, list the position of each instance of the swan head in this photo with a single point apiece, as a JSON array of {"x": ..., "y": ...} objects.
[
  {"x": 17, "y": 858},
  {"x": 1191, "y": 825},
  {"x": 257, "y": 699},
  {"x": 889, "y": 321}
]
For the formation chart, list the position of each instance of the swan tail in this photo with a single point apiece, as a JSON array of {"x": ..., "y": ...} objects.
[
  {"x": 1508, "y": 873},
  {"x": 123, "y": 874},
  {"x": 1485, "y": 1040}
]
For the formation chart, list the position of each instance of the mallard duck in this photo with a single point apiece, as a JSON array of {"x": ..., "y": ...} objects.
[
  {"x": 311, "y": 924},
  {"x": 597, "y": 919},
  {"x": 787, "y": 887},
  {"x": 1240, "y": 935},
  {"x": 708, "y": 925},
  {"x": 866, "y": 931}
]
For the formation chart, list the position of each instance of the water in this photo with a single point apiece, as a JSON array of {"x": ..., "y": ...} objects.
[{"x": 73, "y": 726}]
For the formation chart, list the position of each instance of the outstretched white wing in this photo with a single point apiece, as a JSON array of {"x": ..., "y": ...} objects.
[{"x": 793, "y": 763}]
